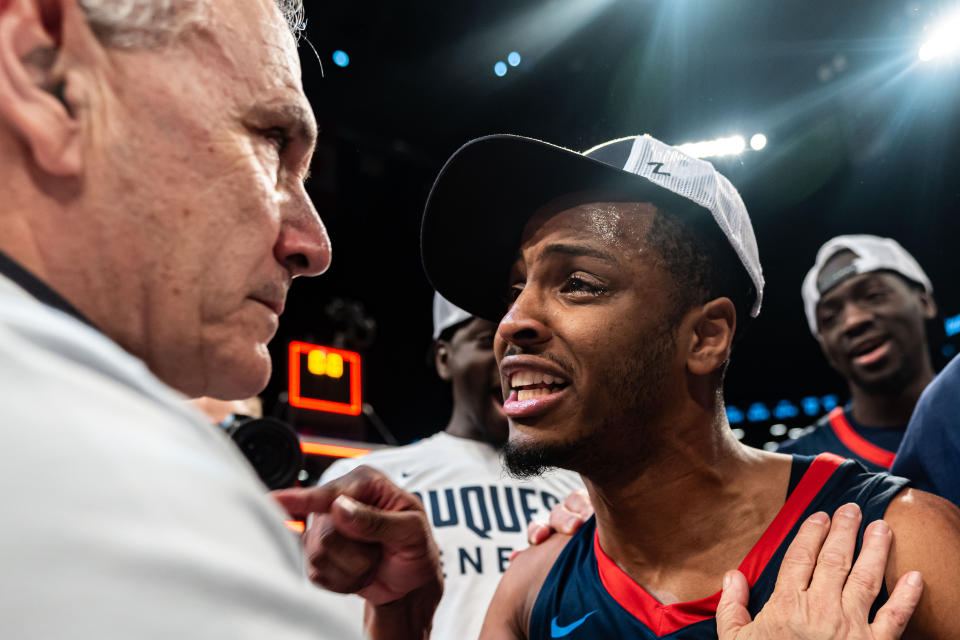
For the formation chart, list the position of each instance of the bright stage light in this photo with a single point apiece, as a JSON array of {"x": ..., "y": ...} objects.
[
  {"x": 944, "y": 40},
  {"x": 758, "y": 141},
  {"x": 500, "y": 68},
  {"x": 712, "y": 148},
  {"x": 513, "y": 58}
]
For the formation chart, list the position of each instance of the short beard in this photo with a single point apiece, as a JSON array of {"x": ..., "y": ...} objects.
[{"x": 529, "y": 461}]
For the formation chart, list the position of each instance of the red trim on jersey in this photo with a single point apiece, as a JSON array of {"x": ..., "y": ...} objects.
[
  {"x": 667, "y": 618},
  {"x": 857, "y": 443}
]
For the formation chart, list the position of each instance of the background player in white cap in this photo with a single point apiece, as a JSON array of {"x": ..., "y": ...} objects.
[
  {"x": 478, "y": 513},
  {"x": 867, "y": 302},
  {"x": 627, "y": 273}
]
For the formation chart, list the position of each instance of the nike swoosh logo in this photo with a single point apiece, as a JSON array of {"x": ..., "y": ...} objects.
[{"x": 556, "y": 631}]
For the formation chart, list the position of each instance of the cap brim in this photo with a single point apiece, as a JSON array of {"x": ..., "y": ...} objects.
[{"x": 483, "y": 198}]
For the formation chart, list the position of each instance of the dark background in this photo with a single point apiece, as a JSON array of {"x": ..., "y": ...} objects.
[{"x": 862, "y": 139}]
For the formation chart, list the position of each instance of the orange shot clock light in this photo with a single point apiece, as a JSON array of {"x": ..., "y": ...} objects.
[{"x": 324, "y": 379}]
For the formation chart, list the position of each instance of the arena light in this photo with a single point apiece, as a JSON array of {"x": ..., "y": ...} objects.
[
  {"x": 297, "y": 526},
  {"x": 500, "y": 68},
  {"x": 331, "y": 450},
  {"x": 734, "y": 415},
  {"x": 952, "y": 325},
  {"x": 943, "y": 41},
  {"x": 829, "y": 402},
  {"x": 758, "y": 141},
  {"x": 514, "y": 59},
  {"x": 758, "y": 412},
  {"x": 340, "y": 58},
  {"x": 730, "y": 146}
]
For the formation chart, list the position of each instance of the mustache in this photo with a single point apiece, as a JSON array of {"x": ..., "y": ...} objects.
[{"x": 565, "y": 366}]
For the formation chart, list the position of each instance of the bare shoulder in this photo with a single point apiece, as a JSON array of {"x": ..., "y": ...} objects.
[
  {"x": 508, "y": 616},
  {"x": 926, "y": 538},
  {"x": 916, "y": 511}
]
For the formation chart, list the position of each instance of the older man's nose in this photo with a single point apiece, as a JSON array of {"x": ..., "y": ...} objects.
[{"x": 303, "y": 246}]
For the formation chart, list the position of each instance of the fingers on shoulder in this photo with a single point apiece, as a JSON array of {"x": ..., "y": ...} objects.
[
  {"x": 528, "y": 569},
  {"x": 892, "y": 618},
  {"x": 579, "y": 502}
]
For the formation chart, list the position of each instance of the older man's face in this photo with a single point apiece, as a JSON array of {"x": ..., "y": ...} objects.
[{"x": 198, "y": 156}]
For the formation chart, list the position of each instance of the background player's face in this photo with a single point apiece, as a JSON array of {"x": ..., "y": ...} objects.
[
  {"x": 872, "y": 327},
  {"x": 590, "y": 310},
  {"x": 467, "y": 361}
]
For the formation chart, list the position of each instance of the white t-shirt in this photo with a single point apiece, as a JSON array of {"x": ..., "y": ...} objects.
[
  {"x": 125, "y": 514},
  {"x": 478, "y": 512}
]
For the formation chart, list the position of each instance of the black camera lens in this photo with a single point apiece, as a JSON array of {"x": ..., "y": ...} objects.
[{"x": 271, "y": 446}]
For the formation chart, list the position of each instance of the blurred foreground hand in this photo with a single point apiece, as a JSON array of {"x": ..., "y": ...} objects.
[{"x": 369, "y": 537}]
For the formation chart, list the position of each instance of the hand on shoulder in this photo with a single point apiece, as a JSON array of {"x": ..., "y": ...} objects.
[{"x": 821, "y": 594}]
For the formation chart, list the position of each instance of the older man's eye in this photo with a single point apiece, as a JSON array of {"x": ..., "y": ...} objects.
[{"x": 278, "y": 137}]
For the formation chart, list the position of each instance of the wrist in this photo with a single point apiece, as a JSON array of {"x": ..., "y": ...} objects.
[{"x": 407, "y": 618}]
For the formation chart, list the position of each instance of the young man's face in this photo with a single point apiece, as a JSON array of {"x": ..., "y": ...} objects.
[
  {"x": 872, "y": 327},
  {"x": 586, "y": 350}
]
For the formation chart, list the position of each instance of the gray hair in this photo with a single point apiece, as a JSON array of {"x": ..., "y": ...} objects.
[{"x": 139, "y": 23}]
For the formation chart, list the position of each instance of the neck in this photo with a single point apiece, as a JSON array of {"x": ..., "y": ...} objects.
[
  {"x": 890, "y": 409},
  {"x": 45, "y": 234},
  {"x": 464, "y": 424},
  {"x": 697, "y": 510}
]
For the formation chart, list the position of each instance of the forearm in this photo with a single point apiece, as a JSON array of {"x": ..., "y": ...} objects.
[{"x": 409, "y": 618}]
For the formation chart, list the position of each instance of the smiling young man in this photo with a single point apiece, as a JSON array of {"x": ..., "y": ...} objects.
[
  {"x": 622, "y": 276},
  {"x": 867, "y": 302}
]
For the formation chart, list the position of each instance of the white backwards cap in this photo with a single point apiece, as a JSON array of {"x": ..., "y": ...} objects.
[
  {"x": 446, "y": 314},
  {"x": 873, "y": 254}
]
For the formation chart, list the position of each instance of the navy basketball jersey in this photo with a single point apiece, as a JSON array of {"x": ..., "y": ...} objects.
[
  {"x": 586, "y": 595},
  {"x": 837, "y": 433}
]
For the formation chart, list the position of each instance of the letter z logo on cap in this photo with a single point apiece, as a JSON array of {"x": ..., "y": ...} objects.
[{"x": 656, "y": 168}]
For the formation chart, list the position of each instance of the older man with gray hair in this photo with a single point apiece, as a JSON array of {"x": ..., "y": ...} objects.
[{"x": 153, "y": 154}]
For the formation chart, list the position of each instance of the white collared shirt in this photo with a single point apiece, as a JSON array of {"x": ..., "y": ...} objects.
[{"x": 125, "y": 514}]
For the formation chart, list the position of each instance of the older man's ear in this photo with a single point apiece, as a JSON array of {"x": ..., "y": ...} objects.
[{"x": 40, "y": 80}]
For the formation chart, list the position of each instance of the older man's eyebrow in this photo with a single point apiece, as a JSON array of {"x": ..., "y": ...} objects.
[
  {"x": 296, "y": 119},
  {"x": 305, "y": 126}
]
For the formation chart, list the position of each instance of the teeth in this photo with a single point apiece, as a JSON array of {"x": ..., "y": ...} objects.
[
  {"x": 526, "y": 378},
  {"x": 530, "y": 394}
]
